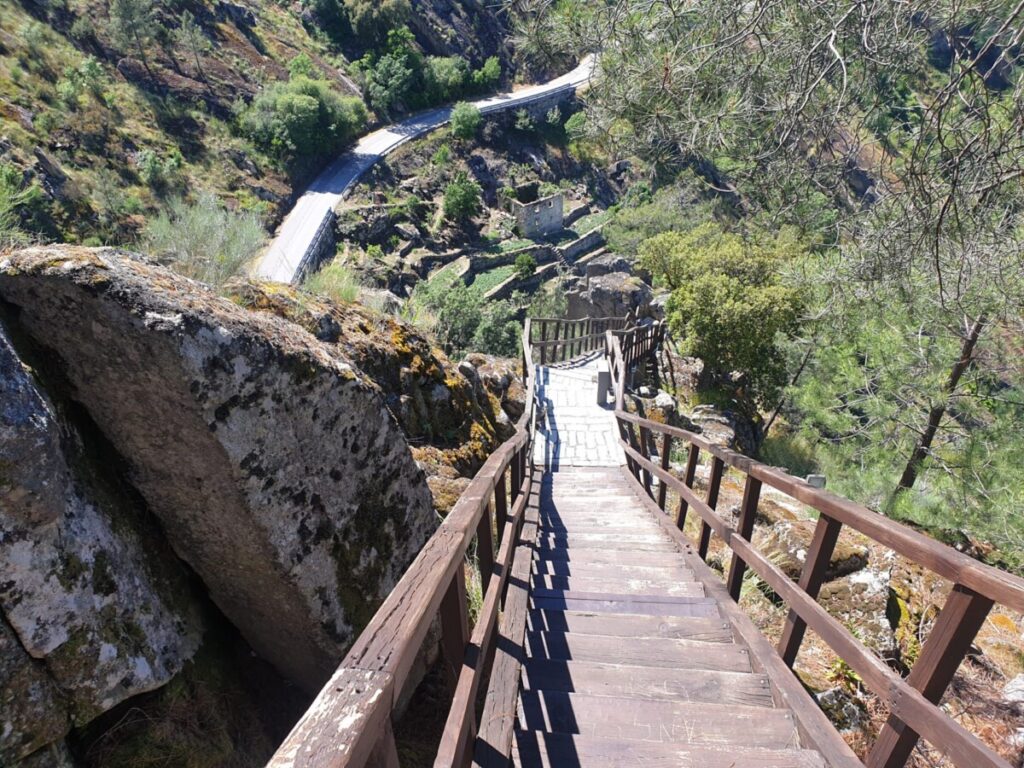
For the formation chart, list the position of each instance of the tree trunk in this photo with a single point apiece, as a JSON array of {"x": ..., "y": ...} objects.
[{"x": 935, "y": 415}]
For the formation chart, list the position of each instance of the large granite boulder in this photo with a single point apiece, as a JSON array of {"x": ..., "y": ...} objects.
[
  {"x": 273, "y": 465},
  {"x": 610, "y": 295},
  {"x": 95, "y": 608}
]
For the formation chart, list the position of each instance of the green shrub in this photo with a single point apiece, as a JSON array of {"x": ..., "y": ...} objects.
[
  {"x": 16, "y": 199},
  {"x": 465, "y": 120},
  {"x": 442, "y": 156},
  {"x": 373, "y": 20},
  {"x": 523, "y": 120},
  {"x": 445, "y": 78},
  {"x": 728, "y": 306},
  {"x": 489, "y": 75},
  {"x": 302, "y": 66},
  {"x": 461, "y": 198},
  {"x": 334, "y": 281},
  {"x": 302, "y": 117},
  {"x": 374, "y": 252},
  {"x": 526, "y": 265},
  {"x": 203, "y": 240}
]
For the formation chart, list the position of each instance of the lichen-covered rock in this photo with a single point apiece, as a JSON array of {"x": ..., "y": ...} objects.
[
  {"x": 861, "y": 600},
  {"x": 32, "y": 711},
  {"x": 785, "y": 543},
  {"x": 85, "y": 587},
  {"x": 610, "y": 295},
  {"x": 501, "y": 377},
  {"x": 275, "y": 467}
]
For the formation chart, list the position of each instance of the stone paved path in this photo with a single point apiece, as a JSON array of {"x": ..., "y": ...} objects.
[{"x": 576, "y": 432}]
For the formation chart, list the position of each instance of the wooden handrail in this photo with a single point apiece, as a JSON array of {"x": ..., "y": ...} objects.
[
  {"x": 913, "y": 701},
  {"x": 349, "y": 722}
]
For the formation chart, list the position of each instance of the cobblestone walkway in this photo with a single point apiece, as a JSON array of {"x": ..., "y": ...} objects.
[{"x": 576, "y": 431}]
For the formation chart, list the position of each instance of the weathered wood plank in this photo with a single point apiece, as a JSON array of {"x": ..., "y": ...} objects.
[
  {"x": 663, "y": 721},
  {"x": 563, "y": 750},
  {"x": 648, "y": 683},
  {"x": 659, "y": 572},
  {"x": 706, "y": 629},
  {"x": 569, "y": 601},
  {"x": 640, "y": 651},
  {"x": 494, "y": 742},
  {"x": 623, "y": 585},
  {"x": 609, "y": 557}
]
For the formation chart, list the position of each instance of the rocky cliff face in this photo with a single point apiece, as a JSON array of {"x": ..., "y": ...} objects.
[{"x": 275, "y": 464}]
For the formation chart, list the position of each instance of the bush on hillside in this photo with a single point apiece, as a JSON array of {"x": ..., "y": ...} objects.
[
  {"x": 203, "y": 240},
  {"x": 462, "y": 198},
  {"x": 444, "y": 78},
  {"x": 465, "y": 120},
  {"x": 728, "y": 306},
  {"x": 302, "y": 117},
  {"x": 526, "y": 265}
]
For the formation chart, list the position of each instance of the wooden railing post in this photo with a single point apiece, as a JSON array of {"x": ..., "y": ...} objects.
[
  {"x": 500, "y": 505},
  {"x": 517, "y": 478},
  {"x": 714, "y": 485},
  {"x": 823, "y": 543},
  {"x": 947, "y": 644},
  {"x": 385, "y": 754},
  {"x": 692, "y": 458},
  {"x": 543, "y": 338},
  {"x": 454, "y": 624},
  {"x": 748, "y": 513},
  {"x": 554, "y": 347},
  {"x": 485, "y": 548},
  {"x": 666, "y": 455},
  {"x": 646, "y": 446}
]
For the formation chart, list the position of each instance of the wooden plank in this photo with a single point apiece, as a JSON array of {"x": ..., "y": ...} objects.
[
  {"x": 455, "y": 625},
  {"x": 620, "y": 585},
  {"x": 550, "y": 543},
  {"x": 662, "y": 572},
  {"x": 570, "y": 601},
  {"x": 815, "y": 728},
  {"x": 648, "y": 683},
  {"x": 589, "y": 540},
  {"x": 714, "y": 485},
  {"x": 610, "y": 556},
  {"x": 535, "y": 749},
  {"x": 316, "y": 741},
  {"x": 748, "y": 514},
  {"x": 999, "y": 586},
  {"x": 485, "y": 548},
  {"x": 640, "y": 651},
  {"x": 662, "y": 721},
  {"x": 385, "y": 754},
  {"x": 812, "y": 576},
  {"x": 460, "y": 727},
  {"x": 708, "y": 630},
  {"x": 494, "y": 742},
  {"x": 666, "y": 457},
  {"x": 946, "y": 646},
  {"x": 693, "y": 457}
]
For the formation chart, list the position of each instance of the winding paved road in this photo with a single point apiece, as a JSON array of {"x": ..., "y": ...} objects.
[{"x": 302, "y": 226}]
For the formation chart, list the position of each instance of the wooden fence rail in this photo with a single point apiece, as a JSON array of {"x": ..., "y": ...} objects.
[
  {"x": 912, "y": 702},
  {"x": 558, "y": 340}
]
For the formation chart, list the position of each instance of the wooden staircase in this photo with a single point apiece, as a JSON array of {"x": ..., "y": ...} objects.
[{"x": 626, "y": 659}]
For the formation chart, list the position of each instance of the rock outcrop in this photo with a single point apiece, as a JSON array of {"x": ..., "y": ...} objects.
[
  {"x": 610, "y": 295},
  {"x": 95, "y": 608},
  {"x": 274, "y": 466}
]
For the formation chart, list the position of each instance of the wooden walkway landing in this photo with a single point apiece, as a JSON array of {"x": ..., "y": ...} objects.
[{"x": 627, "y": 660}]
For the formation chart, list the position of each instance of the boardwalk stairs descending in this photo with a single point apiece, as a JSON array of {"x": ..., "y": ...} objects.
[
  {"x": 626, "y": 659},
  {"x": 603, "y": 638}
]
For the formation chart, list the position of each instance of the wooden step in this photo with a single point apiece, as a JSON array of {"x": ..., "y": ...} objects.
[
  {"x": 638, "y": 652},
  {"x": 648, "y": 683},
  {"x": 549, "y": 542},
  {"x": 708, "y": 630},
  {"x": 620, "y": 585},
  {"x": 587, "y": 556},
  {"x": 601, "y": 602},
  {"x": 657, "y": 573},
  {"x": 609, "y": 525},
  {"x": 659, "y": 721},
  {"x": 533, "y": 749}
]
